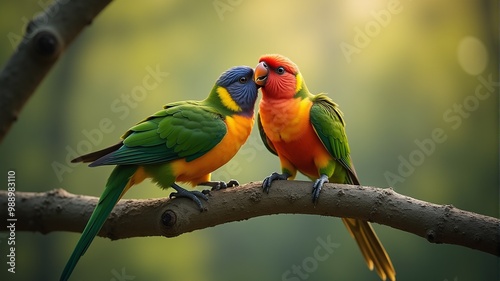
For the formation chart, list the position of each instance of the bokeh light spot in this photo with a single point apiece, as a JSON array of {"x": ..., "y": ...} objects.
[{"x": 472, "y": 55}]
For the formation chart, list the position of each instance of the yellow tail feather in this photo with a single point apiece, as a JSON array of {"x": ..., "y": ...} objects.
[{"x": 371, "y": 248}]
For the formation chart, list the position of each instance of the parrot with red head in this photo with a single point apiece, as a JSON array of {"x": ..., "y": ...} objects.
[{"x": 307, "y": 133}]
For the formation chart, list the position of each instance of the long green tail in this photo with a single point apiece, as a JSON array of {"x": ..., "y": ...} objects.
[{"x": 117, "y": 182}]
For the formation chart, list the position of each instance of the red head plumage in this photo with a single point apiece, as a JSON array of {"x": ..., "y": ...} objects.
[
  {"x": 276, "y": 60},
  {"x": 277, "y": 75}
]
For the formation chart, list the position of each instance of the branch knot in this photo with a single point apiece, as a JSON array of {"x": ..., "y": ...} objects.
[
  {"x": 47, "y": 44},
  {"x": 169, "y": 218}
]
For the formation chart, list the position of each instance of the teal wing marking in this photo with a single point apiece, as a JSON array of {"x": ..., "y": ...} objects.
[
  {"x": 328, "y": 122},
  {"x": 181, "y": 130}
]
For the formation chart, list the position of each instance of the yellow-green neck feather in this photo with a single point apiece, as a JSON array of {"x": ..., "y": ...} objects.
[
  {"x": 300, "y": 82},
  {"x": 227, "y": 100},
  {"x": 300, "y": 87}
]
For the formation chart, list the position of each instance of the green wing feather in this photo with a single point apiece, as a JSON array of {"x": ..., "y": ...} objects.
[
  {"x": 181, "y": 130},
  {"x": 267, "y": 143},
  {"x": 112, "y": 193},
  {"x": 328, "y": 123}
]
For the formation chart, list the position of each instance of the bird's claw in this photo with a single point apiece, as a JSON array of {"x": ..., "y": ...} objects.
[
  {"x": 318, "y": 185},
  {"x": 194, "y": 195},
  {"x": 266, "y": 184},
  {"x": 233, "y": 183},
  {"x": 223, "y": 185},
  {"x": 218, "y": 185}
]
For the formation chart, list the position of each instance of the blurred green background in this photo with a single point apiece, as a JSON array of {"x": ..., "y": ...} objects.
[{"x": 399, "y": 70}]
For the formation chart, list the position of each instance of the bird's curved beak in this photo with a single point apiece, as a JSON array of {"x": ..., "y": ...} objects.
[{"x": 260, "y": 74}]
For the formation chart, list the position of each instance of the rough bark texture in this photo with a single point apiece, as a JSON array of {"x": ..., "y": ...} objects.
[
  {"x": 58, "y": 210},
  {"x": 47, "y": 36}
]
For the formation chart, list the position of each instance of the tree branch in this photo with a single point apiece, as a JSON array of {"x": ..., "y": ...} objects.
[
  {"x": 47, "y": 36},
  {"x": 58, "y": 210}
]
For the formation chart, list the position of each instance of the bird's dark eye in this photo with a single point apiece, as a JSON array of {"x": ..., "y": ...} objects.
[
  {"x": 280, "y": 70},
  {"x": 243, "y": 80}
]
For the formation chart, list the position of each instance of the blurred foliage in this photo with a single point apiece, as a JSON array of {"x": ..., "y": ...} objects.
[{"x": 417, "y": 62}]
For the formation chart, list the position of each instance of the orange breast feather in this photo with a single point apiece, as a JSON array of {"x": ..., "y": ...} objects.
[
  {"x": 198, "y": 170},
  {"x": 287, "y": 125}
]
